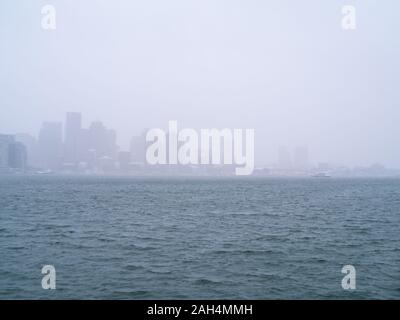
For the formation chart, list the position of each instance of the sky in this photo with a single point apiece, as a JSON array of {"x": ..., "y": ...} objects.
[{"x": 286, "y": 69}]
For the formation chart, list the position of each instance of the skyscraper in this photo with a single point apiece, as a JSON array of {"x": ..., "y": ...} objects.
[
  {"x": 102, "y": 140},
  {"x": 5, "y": 141},
  {"x": 13, "y": 154},
  {"x": 73, "y": 127},
  {"x": 31, "y": 145},
  {"x": 17, "y": 155}
]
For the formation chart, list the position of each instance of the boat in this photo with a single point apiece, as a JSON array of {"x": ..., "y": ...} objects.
[
  {"x": 44, "y": 172},
  {"x": 321, "y": 175}
]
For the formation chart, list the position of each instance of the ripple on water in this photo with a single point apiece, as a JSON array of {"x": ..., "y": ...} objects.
[{"x": 207, "y": 238}]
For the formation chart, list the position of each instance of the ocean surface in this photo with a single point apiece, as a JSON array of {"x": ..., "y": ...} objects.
[{"x": 188, "y": 238}]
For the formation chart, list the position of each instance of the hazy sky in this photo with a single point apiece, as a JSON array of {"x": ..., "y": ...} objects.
[{"x": 285, "y": 68}]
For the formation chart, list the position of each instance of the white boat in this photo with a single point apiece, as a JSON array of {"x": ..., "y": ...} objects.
[
  {"x": 44, "y": 172},
  {"x": 321, "y": 175}
]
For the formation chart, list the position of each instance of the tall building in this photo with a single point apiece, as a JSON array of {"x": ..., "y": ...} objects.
[
  {"x": 17, "y": 156},
  {"x": 102, "y": 140},
  {"x": 5, "y": 141},
  {"x": 13, "y": 154},
  {"x": 31, "y": 145},
  {"x": 50, "y": 145},
  {"x": 73, "y": 128}
]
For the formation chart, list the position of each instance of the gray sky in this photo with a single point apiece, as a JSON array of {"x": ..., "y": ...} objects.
[{"x": 285, "y": 68}]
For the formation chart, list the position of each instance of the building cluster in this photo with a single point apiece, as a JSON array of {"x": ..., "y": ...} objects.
[
  {"x": 13, "y": 154},
  {"x": 69, "y": 149},
  {"x": 295, "y": 163}
]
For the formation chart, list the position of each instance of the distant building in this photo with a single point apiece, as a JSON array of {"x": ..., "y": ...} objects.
[
  {"x": 84, "y": 145},
  {"x": 324, "y": 166},
  {"x": 31, "y": 145},
  {"x": 112, "y": 149},
  {"x": 106, "y": 164},
  {"x": 50, "y": 145},
  {"x": 103, "y": 140},
  {"x": 375, "y": 170},
  {"x": 5, "y": 141},
  {"x": 13, "y": 154},
  {"x": 17, "y": 156},
  {"x": 73, "y": 128},
  {"x": 92, "y": 159}
]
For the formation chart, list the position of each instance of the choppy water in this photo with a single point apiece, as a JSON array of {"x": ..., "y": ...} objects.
[{"x": 125, "y": 238}]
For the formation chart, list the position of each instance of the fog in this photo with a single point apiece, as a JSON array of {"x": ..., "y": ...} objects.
[{"x": 286, "y": 69}]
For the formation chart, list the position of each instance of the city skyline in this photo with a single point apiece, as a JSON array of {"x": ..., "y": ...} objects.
[
  {"x": 294, "y": 76},
  {"x": 68, "y": 146}
]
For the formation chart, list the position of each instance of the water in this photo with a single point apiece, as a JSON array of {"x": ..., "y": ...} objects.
[{"x": 132, "y": 238}]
